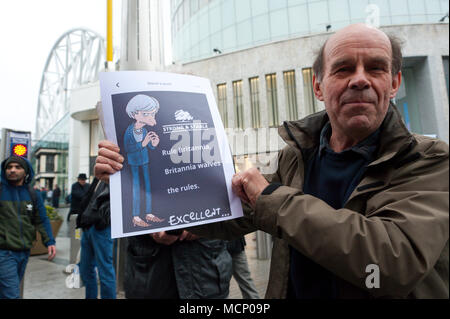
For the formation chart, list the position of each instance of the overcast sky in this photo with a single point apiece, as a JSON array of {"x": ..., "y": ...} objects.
[{"x": 28, "y": 31}]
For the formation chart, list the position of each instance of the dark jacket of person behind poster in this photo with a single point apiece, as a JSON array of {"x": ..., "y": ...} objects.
[
  {"x": 197, "y": 269},
  {"x": 77, "y": 194},
  {"x": 95, "y": 207}
]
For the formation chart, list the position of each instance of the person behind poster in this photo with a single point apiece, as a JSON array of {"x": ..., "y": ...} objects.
[{"x": 137, "y": 140}]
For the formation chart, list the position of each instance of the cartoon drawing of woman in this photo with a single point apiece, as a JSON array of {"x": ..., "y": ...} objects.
[{"x": 137, "y": 141}]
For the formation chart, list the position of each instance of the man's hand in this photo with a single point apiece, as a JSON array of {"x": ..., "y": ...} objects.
[
  {"x": 249, "y": 185},
  {"x": 163, "y": 238},
  {"x": 108, "y": 161},
  {"x": 51, "y": 252},
  {"x": 185, "y": 235}
]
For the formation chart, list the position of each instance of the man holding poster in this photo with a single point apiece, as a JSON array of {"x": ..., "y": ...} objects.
[{"x": 358, "y": 206}]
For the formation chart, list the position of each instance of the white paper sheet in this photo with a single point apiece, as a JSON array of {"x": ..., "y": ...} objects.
[{"x": 186, "y": 167}]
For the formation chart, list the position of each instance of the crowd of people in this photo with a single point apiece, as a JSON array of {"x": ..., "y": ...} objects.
[{"x": 354, "y": 190}]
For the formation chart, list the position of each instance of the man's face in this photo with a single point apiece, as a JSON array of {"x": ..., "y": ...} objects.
[
  {"x": 357, "y": 83},
  {"x": 146, "y": 117},
  {"x": 15, "y": 174},
  {"x": 82, "y": 181}
]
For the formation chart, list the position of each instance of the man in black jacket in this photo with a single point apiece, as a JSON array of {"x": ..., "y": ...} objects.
[
  {"x": 79, "y": 189},
  {"x": 77, "y": 194}
]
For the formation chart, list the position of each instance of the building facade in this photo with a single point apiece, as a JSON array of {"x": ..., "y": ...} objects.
[
  {"x": 258, "y": 55},
  {"x": 50, "y": 158}
]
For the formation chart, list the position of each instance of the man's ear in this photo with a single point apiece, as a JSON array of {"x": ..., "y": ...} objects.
[
  {"x": 316, "y": 87},
  {"x": 396, "y": 81}
]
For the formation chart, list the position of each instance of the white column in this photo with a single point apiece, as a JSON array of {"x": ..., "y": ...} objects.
[{"x": 142, "y": 45}]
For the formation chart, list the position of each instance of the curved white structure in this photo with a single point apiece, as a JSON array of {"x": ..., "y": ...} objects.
[{"x": 74, "y": 60}]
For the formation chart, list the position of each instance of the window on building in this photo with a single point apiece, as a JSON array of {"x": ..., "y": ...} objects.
[
  {"x": 308, "y": 92},
  {"x": 254, "y": 101},
  {"x": 291, "y": 96},
  {"x": 238, "y": 105},
  {"x": 222, "y": 102},
  {"x": 62, "y": 163},
  {"x": 50, "y": 163},
  {"x": 272, "y": 99},
  {"x": 38, "y": 166}
]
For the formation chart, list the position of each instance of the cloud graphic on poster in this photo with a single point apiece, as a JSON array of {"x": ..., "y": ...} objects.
[{"x": 183, "y": 116}]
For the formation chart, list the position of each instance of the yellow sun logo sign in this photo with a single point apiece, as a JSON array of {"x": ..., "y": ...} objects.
[{"x": 19, "y": 149}]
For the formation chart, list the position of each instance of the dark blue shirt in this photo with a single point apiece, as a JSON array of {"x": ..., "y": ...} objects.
[{"x": 332, "y": 177}]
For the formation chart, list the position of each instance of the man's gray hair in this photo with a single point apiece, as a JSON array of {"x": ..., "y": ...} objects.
[
  {"x": 142, "y": 102},
  {"x": 396, "y": 45}
]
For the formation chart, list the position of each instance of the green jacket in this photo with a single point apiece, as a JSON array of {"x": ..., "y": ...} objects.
[
  {"x": 18, "y": 220},
  {"x": 397, "y": 217}
]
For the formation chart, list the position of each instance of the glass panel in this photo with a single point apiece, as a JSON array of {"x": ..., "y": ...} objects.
[
  {"x": 203, "y": 3},
  {"x": 244, "y": 33},
  {"x": 216, "y": 41},
  {"x": 194, "y": 32},
  {"x": 278, "y": 23},
  {"x": 261, "y": 30},
  {"x": 295, "y": 2},
  {"x": 254, "y": 101},
  {"x": 203, "y": 26},
  {"x": 229, "y": 37},
  {"x": 276, "y": 4},
  {"x": 187, "y": 11},
  {"x": 339, "y": 11},
  {"x": 272, "y": 99},
  {"x": 400, "y": 19},
  {"x": 228, "y": 17},
  {"x": 194, "y": 6},
  {"x": 205, "y": 49},
  {"x": 222, "y": 103},
  {"x": 318, "y": 15},
  {"x": 259, "y": 7},
  {"x": 238, "y": 105},
  {"x": 291, "y": 96},
  {"x": 399, "y": 7},
  {"x": 416, "y": 7},
  {"x": 308, "y": 92},
  {"x": 422, "y": 18},
  {"x": 358, "y": 9},
  {"x": 383, "y": 6},
  {"x": 243, "y": 11},
  {"x": 298, "y": 19},
  {"x": 50, "y": 163},
  {"x": 444, "y": 6},
  {"x": 215, "y": 21},
  {"x": 433, "y": 7}
]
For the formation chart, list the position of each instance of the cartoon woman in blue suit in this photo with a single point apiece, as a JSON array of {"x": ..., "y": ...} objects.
[{"x": 137, "y": 141}]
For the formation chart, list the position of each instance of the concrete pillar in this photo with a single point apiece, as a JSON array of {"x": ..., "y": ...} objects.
[{"x": 142, "y": 35}]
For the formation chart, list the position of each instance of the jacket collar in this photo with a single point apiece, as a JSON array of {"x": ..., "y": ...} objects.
[{"x": 305, "y": 134}]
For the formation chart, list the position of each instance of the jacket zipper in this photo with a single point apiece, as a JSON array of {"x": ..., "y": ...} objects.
[{"x": 19, "y": 218}]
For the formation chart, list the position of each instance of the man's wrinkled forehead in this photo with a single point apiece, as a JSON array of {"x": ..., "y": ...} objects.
[{"x": 357, "y": 36}]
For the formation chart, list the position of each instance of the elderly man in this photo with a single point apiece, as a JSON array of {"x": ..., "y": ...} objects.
[{"x": 358, "y": 206}]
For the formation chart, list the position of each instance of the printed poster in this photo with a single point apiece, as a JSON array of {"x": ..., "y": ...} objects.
[{"x": 178, "y": 165}]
